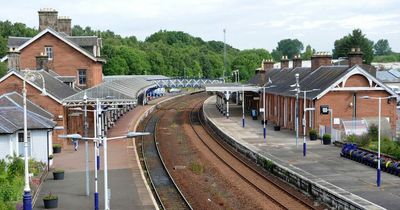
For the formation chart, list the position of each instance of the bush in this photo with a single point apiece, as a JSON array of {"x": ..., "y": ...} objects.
[
  {"x": 58, "y": 171},
  {"x": 327, "y": 136},
  {"x": 50, "y": 197},
  {"x": 56, "y": 145},
  {"x": 313, "y": 132},
  {"x": 373, "y": 132}
]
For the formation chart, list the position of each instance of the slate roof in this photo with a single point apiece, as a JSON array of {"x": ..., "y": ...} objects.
[
  {"x": 388, "y": 76},
  {"x": 11, "y": 115},
  {"x": 321, "y": 78},
  {"x": 81, "y": 43},
  {"x": 17, "y": 41},
  {"x": 17, "y": 99},
  {"x": 54, "y": 86}
]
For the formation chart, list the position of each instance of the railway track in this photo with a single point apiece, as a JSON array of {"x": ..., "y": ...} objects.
[
  {"x": 167, "y": 193},
  {"x": 266, "y": 185}
]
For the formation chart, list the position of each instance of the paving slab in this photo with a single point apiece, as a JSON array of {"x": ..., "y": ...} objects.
[
  {"x": 322, "y": 164},
  {"x": 128, "y": 189}
]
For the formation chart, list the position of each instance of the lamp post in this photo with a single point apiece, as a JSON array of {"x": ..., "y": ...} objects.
[
  {"x": 264, "y": 126},
  {"x": 236, "y": 76},
  {"x": 104, "y": 139},
  {"x": 297, "y": 85},
  {"x": 304, "y": 119},
  {"x": 378, "y": 170},
  {"x": 27, "y": 197},
  {"x": 85, "y": 134},
  {"x": 243, "y": 106}
]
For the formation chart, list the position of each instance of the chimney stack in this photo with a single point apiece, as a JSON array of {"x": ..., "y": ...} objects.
[
  {"x": 64, "y": 25},
  {"x": 42, "y": 62},
  {"x": 284, "y": 62},
  {"x": 355, "y": 57},
  {"x": 48, "y": 18},
  {"x": 320, "y": 59},
  {"x": 13, "y": 61},
  {"x": 267, "y": 64},
  {"x": 297, "y": 61}
]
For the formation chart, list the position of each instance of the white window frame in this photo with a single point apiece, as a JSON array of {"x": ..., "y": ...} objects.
[
  {"x": 29, "y": 143},
  {"x": 79, "y": 79},
  {"x": 49, "y": 52}
]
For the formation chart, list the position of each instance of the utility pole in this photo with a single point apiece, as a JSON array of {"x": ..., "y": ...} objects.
[{"x": 223, "y": 72}]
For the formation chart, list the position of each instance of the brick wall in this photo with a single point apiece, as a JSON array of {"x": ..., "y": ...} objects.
[
  {"x": 340, "y": 101},
  {"x": 14, "y": 83},
  {"x": 66, "y": 60}
]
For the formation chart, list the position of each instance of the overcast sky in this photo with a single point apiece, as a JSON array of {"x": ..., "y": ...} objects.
[{"x": 249, "y": 23}]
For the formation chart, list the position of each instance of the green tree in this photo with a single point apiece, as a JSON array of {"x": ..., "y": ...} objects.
[
  {"x": 288, "y": 47},
  {"x": 308, "y": 53},
  {"x": 249, "y": 60},
  {"x": 355, "y": 39},
  {"x": 382, "y": 47}
]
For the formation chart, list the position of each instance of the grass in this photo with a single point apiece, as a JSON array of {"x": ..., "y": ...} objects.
[{"x": 196, "y": 168}]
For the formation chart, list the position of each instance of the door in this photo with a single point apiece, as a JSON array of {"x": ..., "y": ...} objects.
[{"x": 21, "y": 145}]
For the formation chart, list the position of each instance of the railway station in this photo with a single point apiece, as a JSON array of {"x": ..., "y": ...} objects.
[{"x": 159, "y": 142}]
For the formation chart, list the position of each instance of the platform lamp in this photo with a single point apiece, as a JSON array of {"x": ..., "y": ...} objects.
[
  {"x": 378, "y": 170},
  {"x": 264, "y": 126},
  {"x": 27, "y": 197},
  {"x": 304, "y": 118}
]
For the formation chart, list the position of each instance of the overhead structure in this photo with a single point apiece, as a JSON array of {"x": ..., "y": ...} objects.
[
  {"x": 226, "y": 89},
  {"x": 114, "y": 92}
]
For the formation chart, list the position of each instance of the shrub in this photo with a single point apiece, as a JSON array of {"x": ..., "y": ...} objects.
[
  {"x": 351, "y": 138},
  {"x": 59, "y": 171},
  {"x": 373, "y": 132},
  {"x": 56, "y": 145},
  {"x": 313, "y": 132},
  {"x": 50, "y": 197},
  {"x": 327, "y": 136}
]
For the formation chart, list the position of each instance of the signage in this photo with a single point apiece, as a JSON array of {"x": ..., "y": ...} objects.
[
  {"x": 324, "y": 109},
  {"x": 261, "y": 109},
  {"x": 336, "y": 121},
  {"x": 256, "y": 98}
]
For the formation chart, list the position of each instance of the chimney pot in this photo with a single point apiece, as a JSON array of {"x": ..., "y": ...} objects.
[{"x": 320, "y": 59}]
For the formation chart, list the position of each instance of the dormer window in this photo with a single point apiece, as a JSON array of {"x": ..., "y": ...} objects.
[{"x": 49, "y": 52}]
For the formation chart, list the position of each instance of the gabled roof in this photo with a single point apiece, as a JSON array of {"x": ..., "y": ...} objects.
[
  {"x": 55, "y": 88},
  {"x": 324, "y": 79},
  {"x": 67, "y": 39},
  {"x": 11, "y": 115},
  {"x": 14, "y": 41},
  {"x": 15, "y": 99}
]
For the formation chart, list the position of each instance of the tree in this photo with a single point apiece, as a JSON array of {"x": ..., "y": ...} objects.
[
  {"x": 382, "y": 47},
  {"x": 355, "y": 39},
  {"x": 288, "y": 47},
  {"x": 249, "y": 60},
  {"x": 308, "y": 53}
]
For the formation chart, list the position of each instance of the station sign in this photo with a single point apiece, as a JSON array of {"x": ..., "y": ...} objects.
[{"x": 324, "y": 109}]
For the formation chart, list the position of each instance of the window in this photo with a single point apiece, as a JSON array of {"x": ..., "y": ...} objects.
[
  {"x": 49, "y": 52},
  {"x": 82, "y": 76},
  {"x": 21, "y": 144}
]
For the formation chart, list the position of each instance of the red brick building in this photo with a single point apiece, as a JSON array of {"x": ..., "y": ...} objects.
[
  {"x": 340, "y": 87},
  {"x": 56, "y": 91},
  {"x": 76, "y": 59}
]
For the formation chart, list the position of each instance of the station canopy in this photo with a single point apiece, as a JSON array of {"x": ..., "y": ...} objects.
[
  {"x": 112, "y": 92},
  {"x": 232, "y": 87}
]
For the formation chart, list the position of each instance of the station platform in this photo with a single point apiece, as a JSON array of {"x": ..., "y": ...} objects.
[{"x": 322, "y": 164}]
